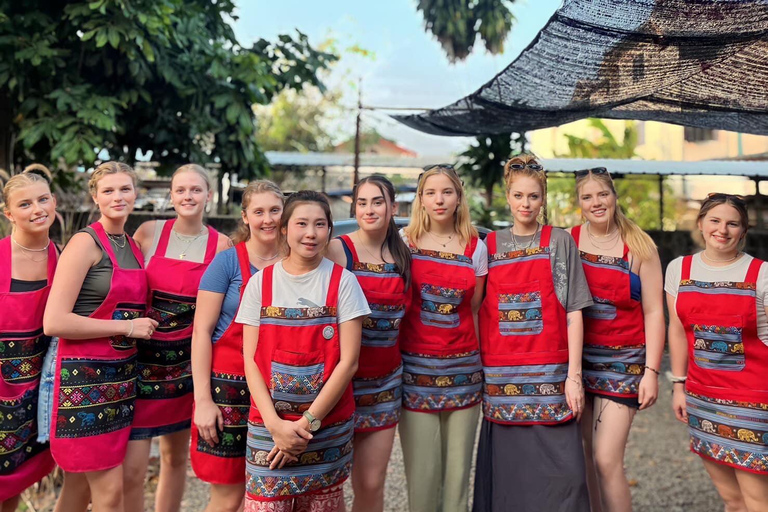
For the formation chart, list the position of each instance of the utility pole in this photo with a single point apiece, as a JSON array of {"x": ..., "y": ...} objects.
[{"x": 356, "y": 174}]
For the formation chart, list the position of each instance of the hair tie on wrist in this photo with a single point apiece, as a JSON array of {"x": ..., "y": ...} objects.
[{"x": 131, "y": 331}]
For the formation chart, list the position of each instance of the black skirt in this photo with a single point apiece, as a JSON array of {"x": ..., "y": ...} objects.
[{"x": 537, "y": 468}]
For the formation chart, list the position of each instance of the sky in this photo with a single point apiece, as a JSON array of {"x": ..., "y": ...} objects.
[{"x": 409, "y": 68}]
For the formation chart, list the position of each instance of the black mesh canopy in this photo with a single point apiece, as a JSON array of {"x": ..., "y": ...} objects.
[{"x": 698, "y": 63}]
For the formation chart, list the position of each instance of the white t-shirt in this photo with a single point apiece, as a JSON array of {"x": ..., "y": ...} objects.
[
  {"x": 479, "y": 257},
  {"x": 304, "y": 291},
  {"x": 735, "y": 272}
]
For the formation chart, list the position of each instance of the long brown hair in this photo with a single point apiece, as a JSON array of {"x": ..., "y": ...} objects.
[
  {"x": 294, "y": 201},
  {"x": 243, "y": 233},
  {"x": 638, "y": 241},
  {"x": 393, "y": 241},
  {"x": 462, "y": 222}
]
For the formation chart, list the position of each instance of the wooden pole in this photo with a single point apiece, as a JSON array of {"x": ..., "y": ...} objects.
[
  {"x": 356, "y": 174},
  {"x": 661, "y": 202}
]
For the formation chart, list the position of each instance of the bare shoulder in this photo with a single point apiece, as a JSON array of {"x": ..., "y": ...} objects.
[
  {"x": 336, "y": 252},
  {"x": 223, "y": 243},
  {"x": 145, "y": 233}
]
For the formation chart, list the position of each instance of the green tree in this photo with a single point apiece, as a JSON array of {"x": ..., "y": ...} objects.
[
  {"x": 458, "y": 23},
  {"x": 483, "y": 168},
  {"x": 638, "y": 195},
  {"x": 167, "y": 76}
]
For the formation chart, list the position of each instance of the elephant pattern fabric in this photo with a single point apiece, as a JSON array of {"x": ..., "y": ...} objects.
[
  {"x": 21, "y": 360},
  {"x": 18, "y": 430},
  {"x": 433, "y": 383},
  {"x": 165, "y": 369},
  {"x": 126, "y": 312},
  {"x": 520, "y": 313},
  {"x": 731, "y": 432},
  {"x": 230, "y": 393},
  {"x": 613, "y": 371},
  {"x": 439, "y": 306},
  {"x": 526, "y": 395},
  {"x": 717, "y": 347},
  {"x": 95, "y": 397},
  {"x": 377, "y": 401}
]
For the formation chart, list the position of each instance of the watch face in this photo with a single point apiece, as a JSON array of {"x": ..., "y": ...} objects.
[{"x": 314, "y": 426}]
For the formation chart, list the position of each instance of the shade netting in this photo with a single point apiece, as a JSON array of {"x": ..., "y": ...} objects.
[{"x": 701, "y": 63}]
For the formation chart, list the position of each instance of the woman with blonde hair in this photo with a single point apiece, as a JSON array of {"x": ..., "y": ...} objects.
[
  {"x": 442, "y": 374},
  {"x": 97, "y": 308},
  {"x": 718, "y": 346},
  {"x": 176, "y": 253},
  {"x": 530, "y": 454},
  {"x": 27, "y": 265},
  {"x": 221, "y": 393},
  {"x": 623, "y": 333}
]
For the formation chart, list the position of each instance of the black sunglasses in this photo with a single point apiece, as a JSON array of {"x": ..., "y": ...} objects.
[
  {"x": 447, "y": 167},
  {"x": 595, "y": 170},
  {"x": 720, "y": 196},
  {"x": 520, "y": 167}
]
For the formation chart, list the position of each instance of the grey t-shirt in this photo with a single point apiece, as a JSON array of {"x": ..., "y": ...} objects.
[
  {"x": 192, "y": 246},
  {"x": 571, "y": 285}
]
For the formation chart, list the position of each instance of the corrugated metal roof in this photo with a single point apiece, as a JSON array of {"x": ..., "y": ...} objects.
[{"x": 666, "y": 168}]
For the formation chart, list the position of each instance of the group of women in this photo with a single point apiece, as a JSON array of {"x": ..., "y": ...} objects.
[{"x": 290, "y": 356}]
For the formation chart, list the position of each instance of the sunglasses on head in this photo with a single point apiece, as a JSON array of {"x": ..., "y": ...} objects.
[
  {"x": 720, "y": 196},
  {"x": 521, "y": 166},
  {"x": 594, "y": 170},
  {"x": 448, "y": 167}
]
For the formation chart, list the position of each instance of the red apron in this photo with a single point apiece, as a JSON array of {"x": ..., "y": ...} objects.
[
  {"x": 378, "y": 382},
  {"x": 614, "y": 327},
  {"x": 224, "y": 463},
  {"x": 95, "y": 387},
  {"x": 297, "y": 353},
  {"x": 523, "y": 338},
  {"x": 727, "y": 390},
  {"x": 164, "y": 398},
  {"x": 441, "y": 362},
  {"x": 23, "y": 461}
]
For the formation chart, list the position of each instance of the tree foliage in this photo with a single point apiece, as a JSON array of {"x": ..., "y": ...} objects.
[
  {"x": 458, "y": 23},
  {"x": 167, "y": 76}
]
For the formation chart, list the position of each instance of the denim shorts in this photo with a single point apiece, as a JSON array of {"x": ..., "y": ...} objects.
[{"x": 45, "y": 397}]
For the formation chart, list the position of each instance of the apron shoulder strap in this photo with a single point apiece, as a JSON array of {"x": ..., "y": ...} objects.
[
  {"x": 685, "y": 272},
  {"x": 546, "y": 235},
  {"x": 5, "y": 261},
  {"x": 136, "y": 251},
  {"x": 576, "y": 234},
  {"x": 210, "y": 248},
  {"x": 346, "y": 241},
  {"x": 101, "y": 234},
  {"x": 469, "y": 250},
  {"x": 332, "y": 298},
  {"x": 53, "y": 258},
  {"x": 754, "y": 270},
  {"x": 266, "y": 286},
  {"x": 245, "y": 266},
  {"x": 165, "y": 235},
  {"x": 490, "y": 242}
]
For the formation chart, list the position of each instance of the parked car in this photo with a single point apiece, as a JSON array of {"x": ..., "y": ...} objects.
[{"x": 347, "y": 226}]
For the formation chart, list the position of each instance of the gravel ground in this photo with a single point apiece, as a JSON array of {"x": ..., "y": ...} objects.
[{"x": 663, "y": 473}]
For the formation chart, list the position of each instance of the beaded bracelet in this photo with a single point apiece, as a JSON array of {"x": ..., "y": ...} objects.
[{"x": 654, "y": 370}]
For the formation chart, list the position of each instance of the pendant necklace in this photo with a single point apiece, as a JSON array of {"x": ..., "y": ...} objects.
[
  {"x": 612, "y": 238},
  {"x": 188, "y": 240},
  {"x": 116, "y": 238},
  {"x": 435, "y": 238},
  {"x": 530, "y": 243},
  {"x": 381, "y": 257}
]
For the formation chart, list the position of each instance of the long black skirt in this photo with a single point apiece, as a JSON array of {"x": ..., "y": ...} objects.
[{"x": 536, "y": 468}]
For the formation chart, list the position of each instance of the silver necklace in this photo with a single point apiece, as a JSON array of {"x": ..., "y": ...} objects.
[
  {"x": 268, "y": 259},
  {"x": 530, "y": 243},
  {"x": 24, "y": 251},
  {"x": 381, "y": 257},
  {"x": 435, "y": 238},
  {"x": 612, "y": 238},
  {"x": 712, "y": 260},
  {"x": 189, "y": 240},
  {"x": 114, "y": 239}
]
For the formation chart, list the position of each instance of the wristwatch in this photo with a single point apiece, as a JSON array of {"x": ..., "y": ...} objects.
[{"x": 314, "y": 423}]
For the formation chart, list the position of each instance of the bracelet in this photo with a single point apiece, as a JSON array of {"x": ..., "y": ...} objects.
[
  {"x": 674, "y": 379},
  {"x": 654, "y": 370},
  {"x": 131, "y": 331},
  {"x": 577, "y": 381}
]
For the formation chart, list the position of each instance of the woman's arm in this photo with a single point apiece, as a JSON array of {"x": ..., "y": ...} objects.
[
  {"x": 477, "y": 301},
  {"x": 652, "y": 297},
  {"x": 208, "y": 417},
  {"x": 290, "y": 438},
  {"x": 574, "y": 389},
  {"x": 678, "y": 355},
  {"x": 223, "y": 243},
  {"x": 78, "y": 257}
]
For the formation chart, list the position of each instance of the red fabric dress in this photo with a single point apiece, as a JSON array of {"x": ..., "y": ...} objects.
[
  {"x": 95, "y": 387},
  {"x": 523, "y": 338},
  {"x": 23, "y": 461},
  {"x": 225, "y": 463},
  {"x": 297, "y": 352},
  {"x": 164, "y": 398},
  {"x": 727, "y": 388},
  {"x": 614, "y": 327},
  {"x": 441, "y": 361},
  {"x": 378, "y": 382}
]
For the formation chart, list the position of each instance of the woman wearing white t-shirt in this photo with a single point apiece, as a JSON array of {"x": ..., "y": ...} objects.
[
  {"x": 718, "y": 335},
  {"x": 303, "y": 321}
]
